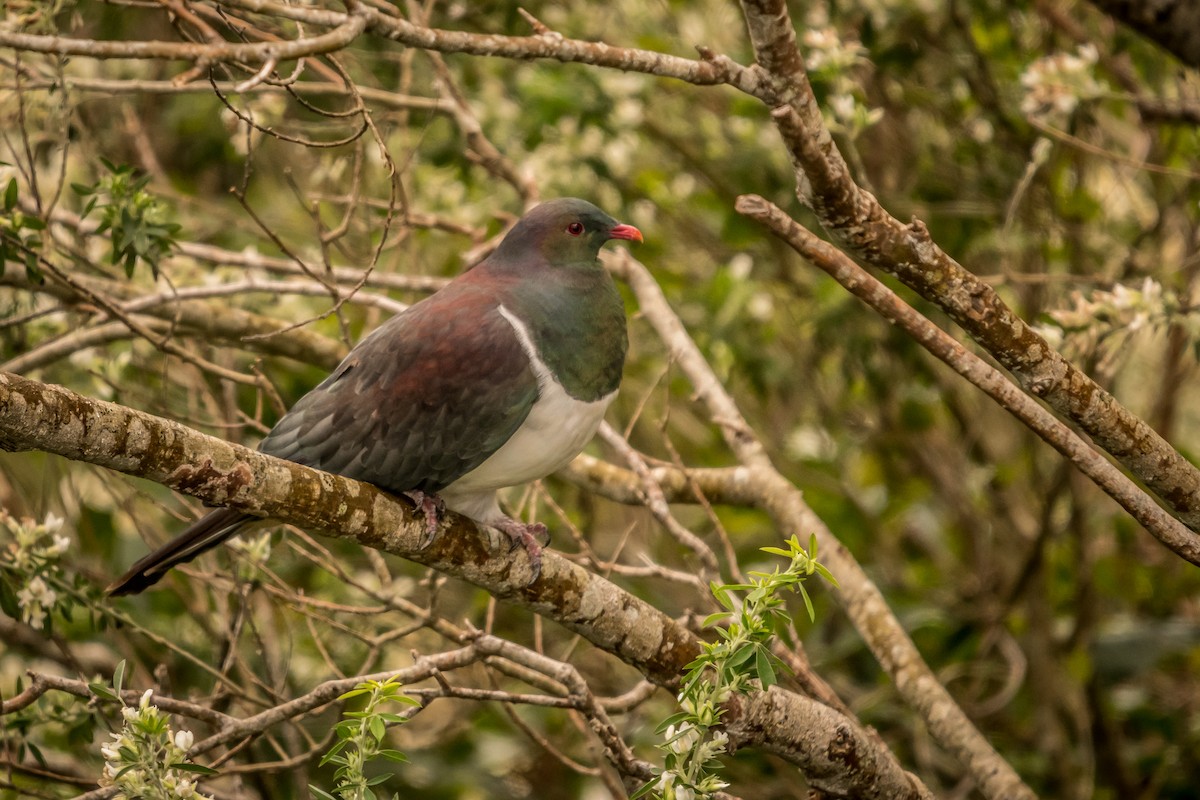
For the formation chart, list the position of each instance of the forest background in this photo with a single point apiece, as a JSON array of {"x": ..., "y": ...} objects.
[{"x": 987, "y": 433}]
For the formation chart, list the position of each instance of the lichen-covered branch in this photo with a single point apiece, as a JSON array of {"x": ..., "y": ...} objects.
[{"x": 37, "y": 416}]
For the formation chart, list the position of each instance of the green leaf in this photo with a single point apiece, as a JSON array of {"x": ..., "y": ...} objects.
[
  {"x": 32, "y": 271},
  {"x": 824, "y": 572},
  {"x": 762, "y": 666},
  {"x": 321, "y": 793},
  {"x": 353, "y": 693},
  {"x": 119, "y": 677},
  {"x": 392, "y": 755},
  {"x": 37, "y": 754},
  {"x": 10, "y": 195},
  {"x": 377, "y": 728},
  {"x": 744, "y": 654},
  {"x": 8, "y": 598},
  {"x": 103, "y": 692},
  {"x": 713, "y": 619},
  {"x": 643, "y": 791},
  {"x": 674, "y": 719},
  {"x": 722, "y": 595},
  {"x": 808, "y": 606}
]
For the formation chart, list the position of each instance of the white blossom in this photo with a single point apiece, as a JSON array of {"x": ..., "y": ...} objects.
[
  {"x": 1055, "y": 84},
  {"x": 843, "y": 107},
  {"x": 740, "y": 265},
  {"x": 184, "y": 740}
]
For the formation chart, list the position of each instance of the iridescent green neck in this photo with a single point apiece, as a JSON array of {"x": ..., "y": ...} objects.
[{"x": 576, "y": 319}]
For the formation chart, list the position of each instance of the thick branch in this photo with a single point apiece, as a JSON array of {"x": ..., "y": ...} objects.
[
  {"x": 1058, "y": 435},
  {"x": 56, "y": 420},
  {"x": 855, "y": 218}
]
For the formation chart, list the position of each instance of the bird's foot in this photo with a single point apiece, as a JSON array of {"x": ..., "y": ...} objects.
[
  {"x": 433, "y": 507},
  {"x": 526, "y": 534}
]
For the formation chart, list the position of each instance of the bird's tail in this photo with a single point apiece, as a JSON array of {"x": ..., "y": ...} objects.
[{"x": 203, "y": 534}]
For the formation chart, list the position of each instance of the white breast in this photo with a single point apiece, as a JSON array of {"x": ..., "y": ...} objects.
[{"x": 556, "y": 430}]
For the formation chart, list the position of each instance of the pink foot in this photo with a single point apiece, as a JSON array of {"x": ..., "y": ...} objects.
[
  {"x": 433, "y": 507},
  {"x": 526, "y": 535}
]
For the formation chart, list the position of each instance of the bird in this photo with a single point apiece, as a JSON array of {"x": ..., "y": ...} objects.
[{"x": 499, "y": 378}]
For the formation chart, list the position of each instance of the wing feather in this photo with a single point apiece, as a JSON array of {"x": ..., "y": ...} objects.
[{"x": 422, "y": 401}]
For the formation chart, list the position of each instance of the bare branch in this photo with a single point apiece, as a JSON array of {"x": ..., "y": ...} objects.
[
  {"x": 264, "y": 52},
  {"x": 217, "y": 320}
]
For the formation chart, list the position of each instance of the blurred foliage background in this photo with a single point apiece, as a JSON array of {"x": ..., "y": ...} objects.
[{"x": 1046, "y": 148}]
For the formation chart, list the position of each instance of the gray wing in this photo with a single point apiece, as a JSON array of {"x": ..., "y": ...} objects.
[{"x": 420, "y": 402}]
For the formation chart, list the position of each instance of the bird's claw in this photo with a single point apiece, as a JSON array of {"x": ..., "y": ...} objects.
[
  {"x": 433, "y": 507},
  {"x": 526, "y": 535}
]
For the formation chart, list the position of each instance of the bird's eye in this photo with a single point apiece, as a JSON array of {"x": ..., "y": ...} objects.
[{"x": 575, "y": 228}]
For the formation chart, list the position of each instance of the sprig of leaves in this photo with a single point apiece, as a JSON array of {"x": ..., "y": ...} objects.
[
  {"x": 361, "y": 740},
  {"x": 31, "y": 574},
  {"x": 137, "y": 220},
  {"x": 147, "y": 759},
  {"x": 20, "y": 234},
  {"x": 738, "y": 661}
]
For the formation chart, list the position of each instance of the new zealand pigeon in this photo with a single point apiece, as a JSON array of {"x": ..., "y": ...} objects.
[{"x": 498, "y": 379}]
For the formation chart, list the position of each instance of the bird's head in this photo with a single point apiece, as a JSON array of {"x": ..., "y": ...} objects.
[{"x": 564, "y": 232}]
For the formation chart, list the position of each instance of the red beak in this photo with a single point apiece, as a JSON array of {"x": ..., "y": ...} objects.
[{"x": 625, "y": 232}]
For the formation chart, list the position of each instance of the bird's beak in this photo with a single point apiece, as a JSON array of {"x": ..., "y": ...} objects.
[{"x": 625, "y": 232}]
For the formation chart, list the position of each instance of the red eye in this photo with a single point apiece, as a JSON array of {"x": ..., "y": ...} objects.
[{"x": 575, "y": 228}]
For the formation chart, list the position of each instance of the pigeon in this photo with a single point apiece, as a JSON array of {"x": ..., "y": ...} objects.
[{"x": 498, "y": 379}]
